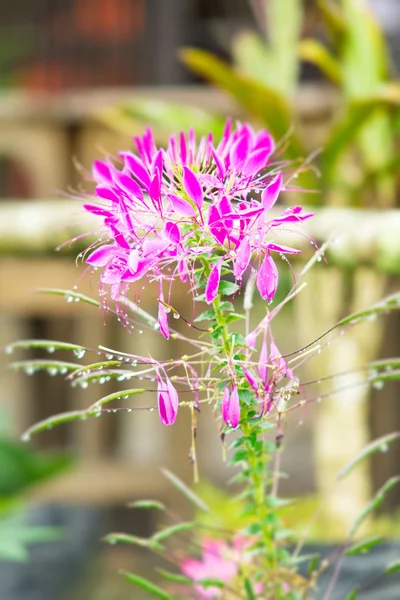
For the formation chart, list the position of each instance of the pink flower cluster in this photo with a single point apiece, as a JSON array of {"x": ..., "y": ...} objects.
[
  {"x": 219, "y": 561},
  {"x": 161, "y": 209}
]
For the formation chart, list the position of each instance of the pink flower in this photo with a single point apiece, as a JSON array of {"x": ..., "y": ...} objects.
[
  {"x": 220, "y": 561},
  {"x": 162, "y": 208}
]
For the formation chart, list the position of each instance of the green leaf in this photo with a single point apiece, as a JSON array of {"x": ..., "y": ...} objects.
[
  {"x": 374, "y": 504},
  {"x": 353, "y": 594},
  {"x": 53, "y": 367},
  {"x": 148, "y": 504},
  {"x": 251, "y": 595},
  {"x": 393, "y": 567},
  {"x": 134, "y": 540},
  {"x": 227, "y": 288},
  {"x": 284, "y": 22},
  {"x": 49, "y": 345},
  {"x": 391, "y": 302},
  {"x": 175, "y": 577},
  {"x": 69, "y": 295},
  {"x": 210, "y": 582},
  {"x": 379, "y": 445},
  {"x": 172, "y": 530},
  {"x": 186, "y": 491},
  {"x": 261, "y": 102},
  {"x": 313, "y": 51},
  {"x": 364, "y": 546},
  {"x": 207, "y": 315},
  {"x": 146, "y": 585}
]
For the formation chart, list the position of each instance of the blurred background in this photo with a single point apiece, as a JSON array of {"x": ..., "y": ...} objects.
[{"x": 77, "y": 79}]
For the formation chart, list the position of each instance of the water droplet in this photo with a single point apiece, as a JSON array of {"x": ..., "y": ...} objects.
[
  {"x": 51, "y": 349},
  {"x": 129, "y": 410},
  {"x": 75, "y": 286},
  {"x": 384, "y": 448},
  {"x": 52, "y": 371},
  {"x": 176, "y": 315},
  {"x": 26, "y": 437},
  {"x": 140, "y": 331},
  {"x": 84, "y": 384},
  {"x": 167, "y": 309},
  {"x": 77, "y": 299},
  {"x": 8, "y": 349},
  {"x": 318, "y": 399},
  {"x": 319, "y": 258},
  {"x": 109, "y": 356},
  {"x": 30, "y": 370},
  {"x": 80, "y": 352},
  {"x": 63, "y": 370},
  {"x": 151, "y": 409},
  {"x": 69, "y": 298}
]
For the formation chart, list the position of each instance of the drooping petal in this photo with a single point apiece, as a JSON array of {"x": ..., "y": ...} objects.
[
  {"x": 270, "y": 194},
  {"x": 163, "y": 317},
  {"x": 251, "y": 379},
  {"x": 243, "y": 255},
  {"x": 230, "y": 409},
  {"x": 267, "y": 279},
  {"x": 192, "y": 186},
  {"x": 263, "y": 363},
  {"x": 106, "y": 193},
  {"x": 213, "y": 283}
]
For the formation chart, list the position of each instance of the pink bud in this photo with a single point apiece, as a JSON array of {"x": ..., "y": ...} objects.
[
  {"x": 243, "y": 255},
  {"x": 267, "y": 279},
  {"x": 167, "y": 397},
  {"x": 230, "y": 408},
  {"x": 213, "y": 283}
]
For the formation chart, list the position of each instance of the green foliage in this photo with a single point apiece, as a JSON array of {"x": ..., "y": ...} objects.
[{"x": 147, "y": 586}]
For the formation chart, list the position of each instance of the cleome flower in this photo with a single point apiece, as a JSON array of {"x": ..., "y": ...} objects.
[
  {"x": 163, "y": 209},
  {"x": 220, "y": 561}
]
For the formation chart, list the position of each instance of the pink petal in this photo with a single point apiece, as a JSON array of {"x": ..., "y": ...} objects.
[
  {"x": 172, "y": 232},
  {"x": 137, "y": 168},
  {"x": 251, "y": 379},
  {"x": 166, "y": 408},
  {"x": 213, "y": 283},
  {"x": 97, "y": 210},
  {"x": 256, "y": 161},
  {"x": 283, "y": 249},
  {"x": 163, "y": 320},
  {"x": 101, "y": 256},
  {"x": 101, "y": 172},
  {"x": 219, "y": 163},
  {"x": 127, "y": 184},
  {"x": 216, "y": 225},
  {"x": 239, "y": 152},
  {"x": 192, "y": 186},
  {"x": 155, "y": 186},
  {"x": 267, "y": 279},
  {"x": 243, "y": 255},
  {"x": 106, "y": 193},
  {"x": 270, "y": 195},
  {"x": 154, "y": 246},
  {"x": 181, "y": 206},
  {"x": 264, "y": 140},
  {"x": 231, "y": 407},
  {"x": 263, "y": 363}
]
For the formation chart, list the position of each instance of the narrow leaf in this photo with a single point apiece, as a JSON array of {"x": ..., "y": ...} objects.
[
  {"x": 251, "y": 595},
  {"x": 70, "y": 296},
  {"x": 379, "y": 445},
  {"x": 186, "y": 491},
  {"x": 393, "y": 567},
  {"x": 364, "y": 546},
  {"x": 148, "y": 504},
  {"x": 146, "y": 585},
  {"x": 168, "y": 531},
  {"x": 375, "y": 503}
]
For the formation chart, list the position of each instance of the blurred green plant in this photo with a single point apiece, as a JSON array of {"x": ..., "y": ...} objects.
[
  {"x": 20, "y": 469},
  {"x": 360, "y": 153}
]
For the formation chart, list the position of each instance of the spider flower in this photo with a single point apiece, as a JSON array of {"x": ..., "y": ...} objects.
[
  {"x": 162, "y": 209},
  {"x": 220, "y": 561}
]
